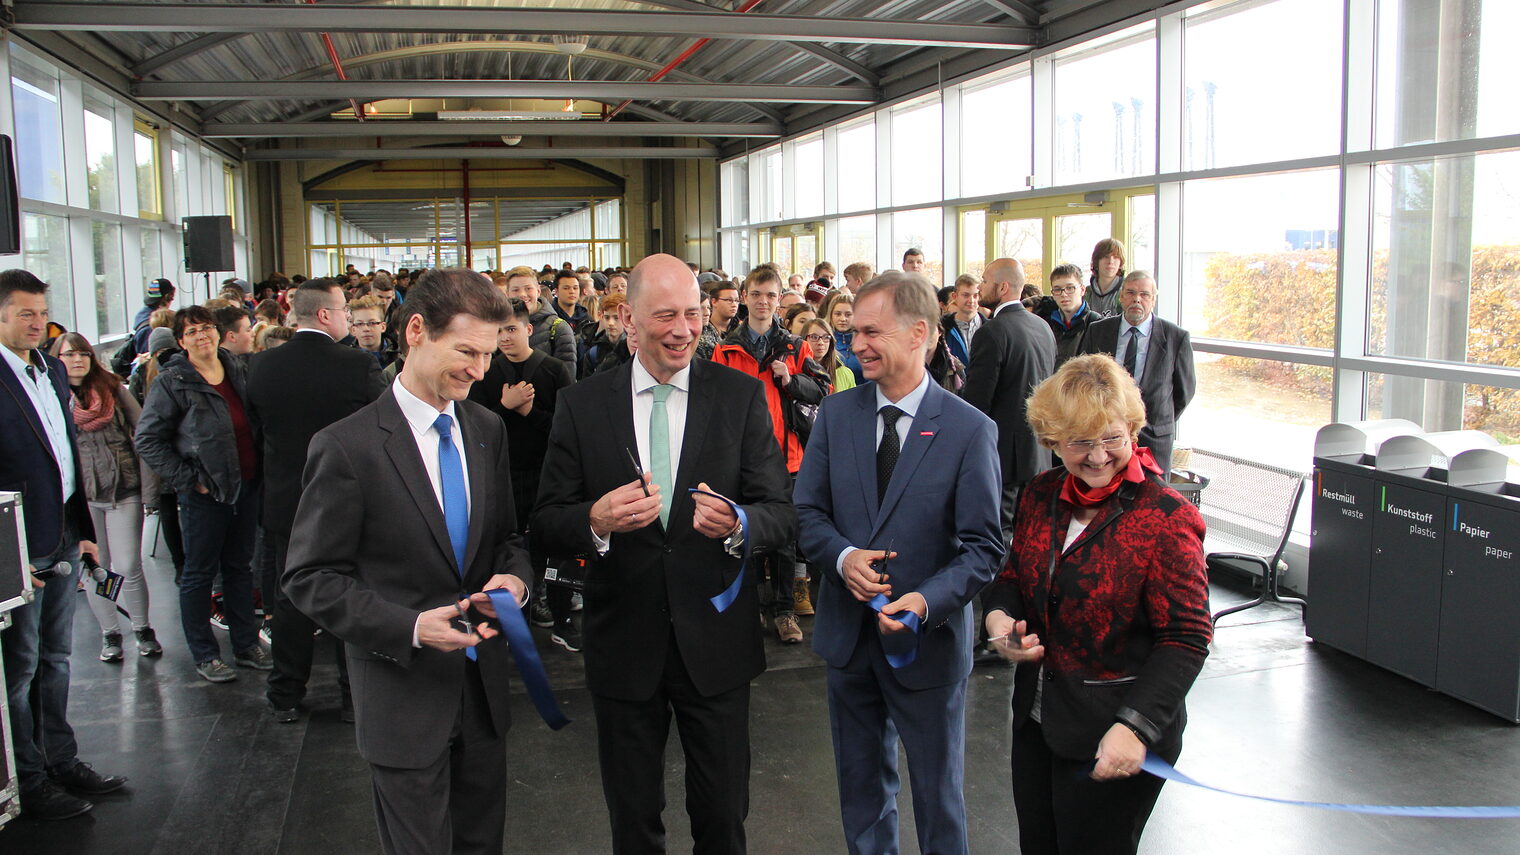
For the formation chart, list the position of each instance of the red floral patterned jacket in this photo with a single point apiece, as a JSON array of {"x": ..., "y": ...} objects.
[{"x": 1124, "y": 618}]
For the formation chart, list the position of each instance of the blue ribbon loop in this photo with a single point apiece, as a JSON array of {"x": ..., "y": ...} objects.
[
  {"x": 529, "y": 665},
  {"x": 907, "y": 618},
  {"x": 722, "y": 601},
  {"x": 1162, "y": 769}
]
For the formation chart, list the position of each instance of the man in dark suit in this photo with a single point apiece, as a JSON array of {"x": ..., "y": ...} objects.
[
  {"x": 1158, "y": 353},
  {"x": 1012, "y": 353},
  {"x": 933, "y": 501},
  {"x": 406, "y": 508},
  {"x": 655, "y": 641},
  {"x": 294, "y": 391},
  {"x": 39, "y": 458}
]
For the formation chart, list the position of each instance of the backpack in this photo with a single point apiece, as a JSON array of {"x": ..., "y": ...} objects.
[{"x": 121, "y": 361}]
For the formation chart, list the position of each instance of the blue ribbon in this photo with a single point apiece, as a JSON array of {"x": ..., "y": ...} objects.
[
  {"x": 722, "y": 601},
  {"x": 909, "y": 619},
  {"x": 529, "y": 665},
  {"x": 1162, "y": 769}
]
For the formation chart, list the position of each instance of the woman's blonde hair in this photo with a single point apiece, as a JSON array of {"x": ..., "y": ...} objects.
[{"x": 1082, "y": 399}]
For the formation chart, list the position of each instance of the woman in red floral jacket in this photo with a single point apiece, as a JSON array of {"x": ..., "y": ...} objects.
[{"x": 1103, "y": 603}]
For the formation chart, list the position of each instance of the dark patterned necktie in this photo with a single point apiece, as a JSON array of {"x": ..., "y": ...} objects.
[
  {"x": 888, "y": 451},
  {"x": 1132, "y": 350}
]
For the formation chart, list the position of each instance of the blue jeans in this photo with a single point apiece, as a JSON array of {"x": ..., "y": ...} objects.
[
  {"x": 218, "y": 539},
  {"x": 37, "y": 646}
]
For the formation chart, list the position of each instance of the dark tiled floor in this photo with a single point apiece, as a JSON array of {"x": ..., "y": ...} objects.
[{"x": 1272, "y": 714}]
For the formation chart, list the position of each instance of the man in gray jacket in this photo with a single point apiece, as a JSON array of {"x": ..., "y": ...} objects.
[{"x": 552, "y": 334}]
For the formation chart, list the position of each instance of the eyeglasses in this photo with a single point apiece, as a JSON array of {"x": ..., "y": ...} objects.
[
  {"x": 818, "y": 338},
  {"x": 367, "y": 325},
  {"x": 191, "y": 332},
  {"x": 69, "y": 354},
  {"x": 1068, "y": 289},
  {"x": 727, "y": 299},
  {"x": 1086, "y": 446}
]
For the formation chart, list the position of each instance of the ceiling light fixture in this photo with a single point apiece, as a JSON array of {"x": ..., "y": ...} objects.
[{"x": 505, "y": 115}]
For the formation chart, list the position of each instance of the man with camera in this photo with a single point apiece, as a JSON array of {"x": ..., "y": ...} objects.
[{"x": 39, "y": 452}]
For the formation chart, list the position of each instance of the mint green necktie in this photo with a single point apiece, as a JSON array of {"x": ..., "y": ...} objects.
[{"x": 659, "y": 449}]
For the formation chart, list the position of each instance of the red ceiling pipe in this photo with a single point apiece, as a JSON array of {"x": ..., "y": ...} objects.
[
  {"x": 337, "y": 64},
  {"x": 671, "y": 66}
]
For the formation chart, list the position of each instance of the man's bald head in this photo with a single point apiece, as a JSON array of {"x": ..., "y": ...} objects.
[
  {"x": 663, "y": 314},
  {"x": 660, "y": 269},
  {"x": 1001, "y": 282}
]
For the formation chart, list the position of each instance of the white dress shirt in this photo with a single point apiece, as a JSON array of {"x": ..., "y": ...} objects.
[
  {"x": 909, "y": 404},
  {"x": 39, "y": 388},
  {"x": 1142, "y": 347},
  {"x": 675, "y": 414},
  {"x": 420, "y": 416}
]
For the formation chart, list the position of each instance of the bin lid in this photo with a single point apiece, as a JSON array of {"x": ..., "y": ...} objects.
[
  {"x": 1355, "y": 439},
  {"x": 1430, "y": 450},
  {"x": 1490, "y": 469}
]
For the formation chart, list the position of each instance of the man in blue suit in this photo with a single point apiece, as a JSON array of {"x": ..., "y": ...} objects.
[
  {"x": 39, "y": 458},
  {"x": 901, "y": 464}
]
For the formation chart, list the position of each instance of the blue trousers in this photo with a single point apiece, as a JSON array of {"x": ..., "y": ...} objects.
[
  {"x": 869, "y": 711},
  {"x": 218, "y": 539},
  {"x": 37, "y": 646}
]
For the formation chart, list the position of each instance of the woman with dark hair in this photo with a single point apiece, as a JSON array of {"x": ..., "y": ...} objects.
[
  {"x": 798, "y": 316},
  {"x": 1103, "y": 603},
  {"x": 114, "y": 480},
  {"x": 195, "y": 433},
  {"x": 1102, "y": 294}
]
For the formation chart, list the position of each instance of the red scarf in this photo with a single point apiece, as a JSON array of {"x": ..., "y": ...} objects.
[
  {"x": 95, "y": 416},
  {"x": 1076, "y": 492}
]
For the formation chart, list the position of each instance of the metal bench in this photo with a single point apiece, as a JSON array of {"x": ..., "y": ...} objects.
[{"x": 1249, "y": 508}]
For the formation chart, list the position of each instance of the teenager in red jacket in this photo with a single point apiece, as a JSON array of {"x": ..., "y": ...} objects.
[{"x": 794, "y": 384}]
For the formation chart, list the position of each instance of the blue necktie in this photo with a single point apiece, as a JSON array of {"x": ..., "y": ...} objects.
[{"x": 456, "y": 508}]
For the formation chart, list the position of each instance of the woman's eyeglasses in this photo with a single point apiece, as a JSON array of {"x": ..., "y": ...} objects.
[{"x": 1086, "y": 446}]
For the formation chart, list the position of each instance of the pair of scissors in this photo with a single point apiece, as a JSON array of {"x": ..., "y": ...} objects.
[{"x": 881, "y": 564}]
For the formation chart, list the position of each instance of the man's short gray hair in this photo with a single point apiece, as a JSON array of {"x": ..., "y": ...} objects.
[{"x": 913, "y": 296}]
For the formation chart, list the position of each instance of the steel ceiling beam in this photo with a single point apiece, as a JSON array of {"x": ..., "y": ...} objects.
[
  {"x": 480, "y": 153},
  {"x": 374, "y": 90},
  {"x": 429, "y": 128},
  {"x": 502, "y": 46},
  {"x": 841, "y": 62},
  {"x": 246, "y": 18},
  {"x": 204, "y": 43}
]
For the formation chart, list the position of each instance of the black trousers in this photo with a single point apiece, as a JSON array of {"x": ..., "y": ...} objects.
[
  {"x": 524, "y": 497},
  {"x": 292, "y": 644},
  {"x": 456, "y": 804},
  {"x": 174, "y": 538},
  {"x": 1061, "y": 809},
  {"x": 714, "y": 735}
]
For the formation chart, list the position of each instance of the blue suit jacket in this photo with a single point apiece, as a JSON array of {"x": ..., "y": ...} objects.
[
  {"x": 27, "y": 465},
  {"x": 940, "y": 514}
]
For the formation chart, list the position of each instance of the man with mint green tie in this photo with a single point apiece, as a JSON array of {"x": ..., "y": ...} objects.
[{"x": 627, "y": 451}]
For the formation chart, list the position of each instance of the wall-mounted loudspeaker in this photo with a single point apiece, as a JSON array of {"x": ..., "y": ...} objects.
[{"x": 10, "y": 204}]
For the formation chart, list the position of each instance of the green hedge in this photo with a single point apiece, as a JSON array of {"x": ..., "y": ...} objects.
[{"x": 1289, "y": 298}]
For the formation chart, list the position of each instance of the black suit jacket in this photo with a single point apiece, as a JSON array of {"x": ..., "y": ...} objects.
[
  {"x": 1168, "y": 383},
  {"x": 294, "y": 391},
  {"x": 27, "y": 465},
  {"x": 370, "y": 550},
  {"x": 1010, "y": 355},
  {"x": 652, "y": 580}
]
